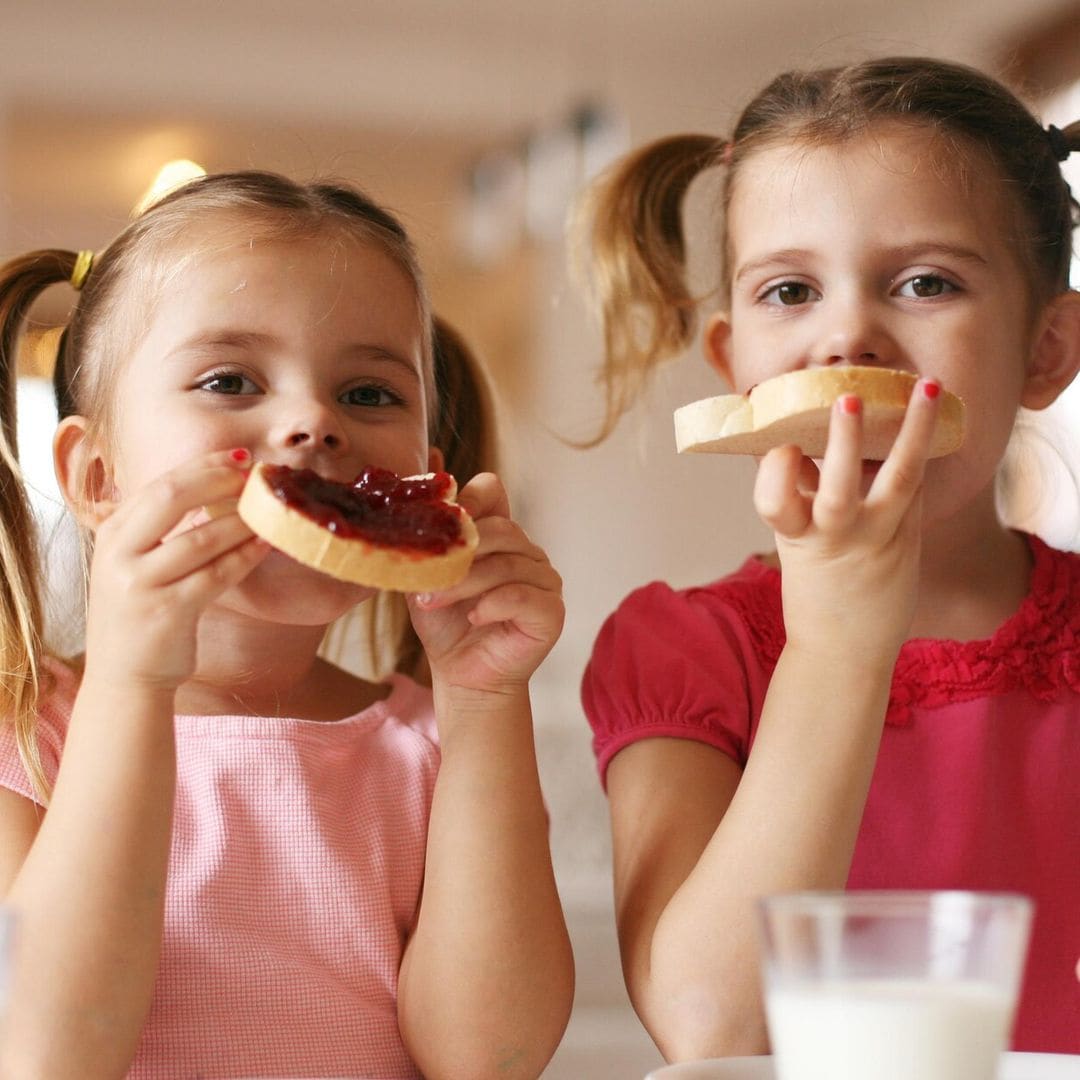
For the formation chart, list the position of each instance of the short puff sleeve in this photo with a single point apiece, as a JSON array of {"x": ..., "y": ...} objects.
[{"x": 677, "y": 664}]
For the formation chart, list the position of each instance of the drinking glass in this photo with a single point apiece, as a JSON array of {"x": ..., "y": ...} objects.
[{"x": 892, "y": 985}]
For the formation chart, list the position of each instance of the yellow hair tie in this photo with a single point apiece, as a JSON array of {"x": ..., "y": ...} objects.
[{"x": 83, "y": 261}]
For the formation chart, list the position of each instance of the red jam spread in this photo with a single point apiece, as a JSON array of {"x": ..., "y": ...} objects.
[{"x": 378, "y": 506}]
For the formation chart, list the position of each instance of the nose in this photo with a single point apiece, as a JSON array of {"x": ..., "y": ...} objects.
[
  {"x": 853, "y": 332},
  {"x": 309, "y": 426}
]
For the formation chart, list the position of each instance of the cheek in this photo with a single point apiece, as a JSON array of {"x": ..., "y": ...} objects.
[{"x": 147, "y": 448}]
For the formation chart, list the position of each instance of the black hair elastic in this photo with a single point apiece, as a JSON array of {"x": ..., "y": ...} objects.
[{"x": 1059, "y": 145}]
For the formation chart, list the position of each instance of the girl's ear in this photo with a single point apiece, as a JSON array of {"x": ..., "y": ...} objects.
[
  {"x": 1055, "y": 355},
  {"x": 82, "y": 473},
  {"x": 436, "y": 462},
  {"x": 717, "y": 341}
]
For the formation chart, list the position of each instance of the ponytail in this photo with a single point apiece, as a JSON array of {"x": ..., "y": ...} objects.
[
  {"x": 21, "y": 281},
  {"x": 629, "y": 235}
]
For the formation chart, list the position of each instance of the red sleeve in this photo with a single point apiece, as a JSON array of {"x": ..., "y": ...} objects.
[{"x": 675, "y": 664}]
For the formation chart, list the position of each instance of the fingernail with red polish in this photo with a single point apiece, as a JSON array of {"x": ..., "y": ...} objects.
[
  {"x": 240, "y": 455},
  {"x": 850, "y": 404},
  {"x": 931, "y": 389}
]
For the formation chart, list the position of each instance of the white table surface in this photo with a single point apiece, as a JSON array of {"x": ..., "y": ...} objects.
[{"x": 1014, "y": 1067}]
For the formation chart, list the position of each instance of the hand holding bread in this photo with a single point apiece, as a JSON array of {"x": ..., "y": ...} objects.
[{"x": 794, "y": 409}]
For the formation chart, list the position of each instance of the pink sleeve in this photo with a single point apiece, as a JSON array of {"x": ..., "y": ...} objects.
[
  {"x": 52, "y": 722},
  {"x": 666, "y": 664}
]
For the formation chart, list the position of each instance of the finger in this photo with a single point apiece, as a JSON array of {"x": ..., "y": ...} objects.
[
  {"x": 901, "y": 473},
  {"x": 207, "y": 583},
  {"x": 192, "y": 549},
  {"x": 154, "y": 511},
  {"x": 838, "y": 497},
  {"x": 496, "y": 535},
  {"x": 493, "y": 571},
  {"x": 536, "y": 613},
  {"x": 777, "y": 498},
  {"x": 809, "y": 477},
  {"x": 484, "y": 496}
]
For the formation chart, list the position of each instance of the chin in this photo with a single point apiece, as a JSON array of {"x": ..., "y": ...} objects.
[{"x": 282, "y": 590}]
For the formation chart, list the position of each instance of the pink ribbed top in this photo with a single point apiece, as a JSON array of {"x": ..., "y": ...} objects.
[{"x": 295, "y": 875}]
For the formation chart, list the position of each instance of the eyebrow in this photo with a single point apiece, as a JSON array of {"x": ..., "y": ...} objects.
[
  {"x": 252, "y": 339},
  {"x": 905, "y": 253}
]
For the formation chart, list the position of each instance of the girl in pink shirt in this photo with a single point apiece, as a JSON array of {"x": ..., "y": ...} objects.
[
  {"x": 892, "y": 697},
  {"x": 227, "y": 856}
]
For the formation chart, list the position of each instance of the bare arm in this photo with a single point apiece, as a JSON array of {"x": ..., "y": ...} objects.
[
  {"x": 88, "y": 884},
  {"x": 487, "y": 981},
  {"x": 89, "y": 894},
  {"x": 696, "y": 843}
]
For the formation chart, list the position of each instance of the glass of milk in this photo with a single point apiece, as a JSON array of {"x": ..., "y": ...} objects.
[{"x": 892, "y": 985}]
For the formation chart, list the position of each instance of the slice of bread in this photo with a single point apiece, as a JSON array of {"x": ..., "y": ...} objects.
[
  {"x": 794, "y": 408},
  {"x": 398, "y": 567}
]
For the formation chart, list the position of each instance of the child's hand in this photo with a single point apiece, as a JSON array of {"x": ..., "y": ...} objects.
[
  {"x": 492, "y": 630},
  {"x": 152, "y": 575},
  {"x": 850, "y": 561}
]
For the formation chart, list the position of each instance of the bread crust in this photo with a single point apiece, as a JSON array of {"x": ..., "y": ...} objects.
[
  {"x": 794, "y": 408},
  {"x": 353, "y": 559}
]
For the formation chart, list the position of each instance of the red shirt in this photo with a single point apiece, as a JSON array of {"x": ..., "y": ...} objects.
[{"x": 977, "y": 782}]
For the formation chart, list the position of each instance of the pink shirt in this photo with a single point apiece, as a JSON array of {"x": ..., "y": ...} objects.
[
  {"x": 295, "y": 874},
  {"x": 977, "y": 783}
]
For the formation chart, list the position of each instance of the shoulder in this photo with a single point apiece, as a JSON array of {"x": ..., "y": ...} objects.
[
  {"x": 743, "y": 607},
  {"x": 1034, "y": 650},
  {"x": 59, "y": 684},
  {"x": 410, "y": 709},
  {"x": 688, "y": 663},
  {"x": 1054, "y": 571}
]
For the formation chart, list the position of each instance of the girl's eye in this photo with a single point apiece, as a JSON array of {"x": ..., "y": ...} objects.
[
  {"x": 790, "y": 294},
  {"x": 926, "y": 285},
  {"x": 227, "y": 382},
  {"x": 370, "y": 396}
]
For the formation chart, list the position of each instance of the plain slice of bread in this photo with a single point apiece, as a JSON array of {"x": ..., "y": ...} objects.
[
  {"x": 794, "y": 408},
  {"x": 354, "y": 559}
]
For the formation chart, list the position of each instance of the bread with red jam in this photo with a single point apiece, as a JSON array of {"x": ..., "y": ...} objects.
[
  {"x": 794, "y": 408},
  {"x": 388, "y": 532}
]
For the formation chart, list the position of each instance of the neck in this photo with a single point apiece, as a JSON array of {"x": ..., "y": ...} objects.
[
  {"x": 974, "y": 574},
  {"x": 249, "y": 666}
]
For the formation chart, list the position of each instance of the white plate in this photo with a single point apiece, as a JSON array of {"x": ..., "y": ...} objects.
[{"x": 1014, "y": 1067}]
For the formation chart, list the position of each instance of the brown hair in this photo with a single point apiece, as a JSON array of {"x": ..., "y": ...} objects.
[
  {"x": 111, "y": 309},
  {"x": 630, "y": 222}
]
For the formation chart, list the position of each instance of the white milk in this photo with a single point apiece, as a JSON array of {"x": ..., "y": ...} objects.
[{"x": 888, "y": 1029}]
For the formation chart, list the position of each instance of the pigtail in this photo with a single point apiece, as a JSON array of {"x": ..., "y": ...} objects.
[
  {"x": 464, "y": 429},
  {"x": 629, "y": 237},
  {"x": 380, "y": 638},
  {"x": 21, "y": 619}
]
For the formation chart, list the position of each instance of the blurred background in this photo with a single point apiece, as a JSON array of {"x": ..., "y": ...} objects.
[{"x": 477, "y": 122}]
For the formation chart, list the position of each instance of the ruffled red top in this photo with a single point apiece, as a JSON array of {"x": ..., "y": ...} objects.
[{"x": 977, "y": 783}]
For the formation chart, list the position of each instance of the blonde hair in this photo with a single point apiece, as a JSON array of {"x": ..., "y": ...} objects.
[
  {"x": 629, "y": 230},
  {"x": 111, "y": 309}
]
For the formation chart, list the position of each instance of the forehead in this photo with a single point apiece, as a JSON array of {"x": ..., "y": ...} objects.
[
  {"x": 891, "y": 180},
  {"x": 330, "y": 280},
  {"x": 277, "y": 251}
]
